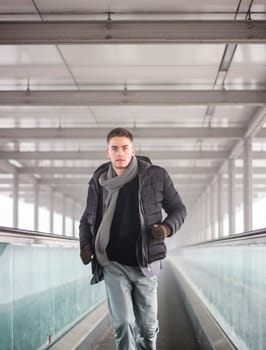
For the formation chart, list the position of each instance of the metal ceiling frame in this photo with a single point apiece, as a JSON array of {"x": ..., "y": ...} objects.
[
  {"x": 132, "y": 31},
  {"x": 60, "y": 133},
  {"x": 100, "y": 155},
  {"x": 85, "y": 170},
  {"x": 131, "y": 97}
]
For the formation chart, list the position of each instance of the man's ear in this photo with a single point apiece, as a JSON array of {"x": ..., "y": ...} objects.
[
  {"x": 133, "y": 151},
  {"x": 107, "y": 153}
]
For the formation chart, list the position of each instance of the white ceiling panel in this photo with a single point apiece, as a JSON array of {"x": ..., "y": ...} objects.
[
  {"x": 25, "y": 55},
  {"x": 105, "y": 115},
  {"x": 250, "y": 55},
  {"x": 145, "y": 77},
  {"x": 137, "y": 6},
  {"x": 248, "y": 68},
  {"x": 142, "y": 55},
  {"x": 232, "y": 116},
  {"x": 17, "y": 6},
  {"x": 141, "y": 116},
  {"x": 250, "y": 78}
]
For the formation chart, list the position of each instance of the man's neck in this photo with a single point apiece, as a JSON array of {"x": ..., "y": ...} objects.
[{"x": 118, "y": 171}]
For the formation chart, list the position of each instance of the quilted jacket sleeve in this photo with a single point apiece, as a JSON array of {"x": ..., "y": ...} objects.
[
  {"x": 88, "y": 218},
  {"x": 172, "y": 204}
]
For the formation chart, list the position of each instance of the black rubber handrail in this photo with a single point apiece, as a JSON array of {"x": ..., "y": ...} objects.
[
  {"x": 234, "y": 238},
  {"x": 10, "y": 231}
]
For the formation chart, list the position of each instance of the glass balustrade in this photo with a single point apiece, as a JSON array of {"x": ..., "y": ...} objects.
[
  {"x": 44, "y": 291},
  {"x": 231, "y": 281}
]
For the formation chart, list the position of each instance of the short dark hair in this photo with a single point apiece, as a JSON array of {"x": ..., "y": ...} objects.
[{"x": 119, "y": 132}]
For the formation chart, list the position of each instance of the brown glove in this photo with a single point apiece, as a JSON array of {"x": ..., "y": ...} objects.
[
  {"x": 86, "y": 254},
  {"x": 160, "y": 231}
]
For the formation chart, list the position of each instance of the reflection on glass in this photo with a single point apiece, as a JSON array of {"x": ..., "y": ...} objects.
[
  {"x": 231, "y": 280},
  {"x": 44, "y": 291}
]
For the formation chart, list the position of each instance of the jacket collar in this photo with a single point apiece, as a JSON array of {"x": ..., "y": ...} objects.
[{"x": 143, "y": 162}]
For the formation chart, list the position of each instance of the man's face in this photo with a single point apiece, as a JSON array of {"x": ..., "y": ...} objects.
[{"x": 120, "y": 151}]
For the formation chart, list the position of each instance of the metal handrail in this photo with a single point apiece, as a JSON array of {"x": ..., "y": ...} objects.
[
  {"x": 254, "y": 237},
  {"x": 15, "y": 235}
]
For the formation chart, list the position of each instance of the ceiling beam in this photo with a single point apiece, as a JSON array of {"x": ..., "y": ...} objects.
[
  {"x": 100, "y": 133},
  {"x": 78, "y": 170},
  {"x": 131, "y": 97},
  {"x": 100, "y": 155},
  {"x": 89, "y": 170},
  {"x": 133, "y": 31},
  {"x": 184, "y": 189},
  {"x": 82, "y": 182},
  {"x": 74, "y": 183}
]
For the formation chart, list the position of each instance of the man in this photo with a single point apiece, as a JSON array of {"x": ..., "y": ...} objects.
[{"x": 122, "y": 233}]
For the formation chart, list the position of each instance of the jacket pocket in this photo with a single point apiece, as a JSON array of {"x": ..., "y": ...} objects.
[{"x": 156, "y": 250}]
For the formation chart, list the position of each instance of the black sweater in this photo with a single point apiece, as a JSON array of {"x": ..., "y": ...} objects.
[{"x": 125, "y": 226}]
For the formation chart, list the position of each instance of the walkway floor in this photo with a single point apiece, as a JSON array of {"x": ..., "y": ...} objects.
[{"x": 176, "y": 332}]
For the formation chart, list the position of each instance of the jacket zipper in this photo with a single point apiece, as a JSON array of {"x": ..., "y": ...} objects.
[{"x": 142, "y": 234}]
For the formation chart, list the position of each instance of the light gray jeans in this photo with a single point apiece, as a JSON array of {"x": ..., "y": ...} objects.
[{"x": 132, "y": 303}]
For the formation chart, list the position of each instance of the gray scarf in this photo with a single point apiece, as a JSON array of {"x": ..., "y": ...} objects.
[{"x": 112, "y": 184}]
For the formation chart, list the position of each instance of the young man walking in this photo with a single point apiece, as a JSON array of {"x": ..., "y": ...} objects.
[{"x": 122, "y": 234}]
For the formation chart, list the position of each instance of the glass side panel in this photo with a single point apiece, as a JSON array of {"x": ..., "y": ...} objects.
[
  {"x": 231, "y": 281},
  {"x": 44, "y": 291},
  {"x": 6, "y": 291}
]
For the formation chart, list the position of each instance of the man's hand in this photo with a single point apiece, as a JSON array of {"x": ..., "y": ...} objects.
[
  {"x": 86, "y": 254},
  {"x": 160, "y": 231}
]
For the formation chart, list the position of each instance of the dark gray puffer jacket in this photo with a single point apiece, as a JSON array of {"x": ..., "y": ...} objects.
[{"x": 156, "y": 192}]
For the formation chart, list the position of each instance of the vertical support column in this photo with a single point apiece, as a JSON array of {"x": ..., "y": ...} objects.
[
  {"x": 247, "y": 184},
  {"x": 213, "y": 209},
  {"x": 206, "y": 219},
  {"x": 196, "y": 236},
  {"x": 203, "y": 209},
  {"x": 193, "y": 231},
  {"x": 208, "y": 213},
  {"x": 231, "y": 196},
  {"x": 220, "y": 205},
  {"x": 196, "y": 229},
  {"x": 15, "y": 197},
  {"x": 51, "y": 210},
  {"x": 73, "y": 217},
  {"x": 36, "y": 190},
  {"x": 64, "y": 199},
  {"x": 202, "y": 218}
]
